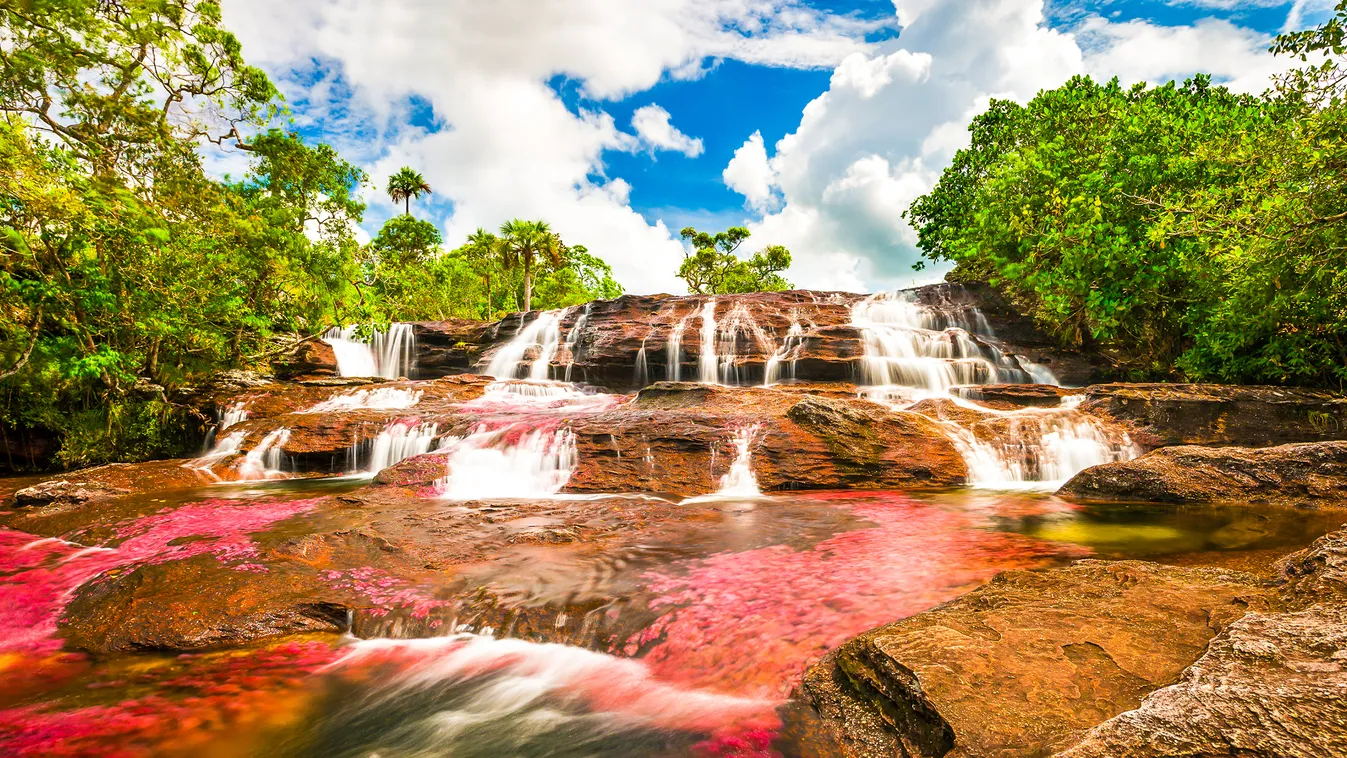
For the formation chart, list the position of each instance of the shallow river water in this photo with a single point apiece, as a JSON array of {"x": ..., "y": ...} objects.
[{"x": 730, "y": 615}]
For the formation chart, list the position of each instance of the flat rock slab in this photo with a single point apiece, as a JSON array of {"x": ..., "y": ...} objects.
[
  {"x": 1269, "y": 686},
  {"x": 1219, "y": 414},
  {"x": 1026, "y": 664},
  {"x": 1309, "y": 474}
]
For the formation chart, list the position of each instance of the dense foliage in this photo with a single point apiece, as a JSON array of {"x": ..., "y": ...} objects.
[
  {"x": 1185, "y": 229},
  {"x": 711, "y": 267},
  {"x": 129, "y": 271}
]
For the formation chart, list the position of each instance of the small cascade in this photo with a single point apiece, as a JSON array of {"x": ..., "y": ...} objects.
[
  {"x": 380, "y": 399},
  {"x": 530, "y": 395},
  {"x": 234, "y": 414},
  {"x": 542, "y": 336},
  {"x": 222, "y": 448},
  {"x": 398, "y": 441},
  {"x": 573, "y": 339},
  {"x": 487, "y": 465},
  {"x": 910, "y": 345},
  {"x": 1037, "y": 448},
  {"x": 395, "y": 351},
  {"x": 740, "y": 481},
  {"x": 264, "y": 461},
  {"x": 789, "y": 351},
  {"x": 674, "y": 351},
  {"x": 354, "y": 357},
  {"x": 707, "y": 365},
  {"x": 390, "y": 354},
  {"x": 641, "y": 375}
]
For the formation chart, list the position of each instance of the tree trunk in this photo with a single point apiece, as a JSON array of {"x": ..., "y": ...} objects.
[
  {"x": 487, "y": 315},
  {"x": 528, "y": 283},
  {"x": 409, "y": 204}
]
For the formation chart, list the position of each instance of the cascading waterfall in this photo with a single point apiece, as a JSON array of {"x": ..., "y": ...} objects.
[
  {"x": 380, "y": 399},
  {"x": 641, "y": 374},
  {"x": 740, "y": 481},
  {"x": 708, "y": 368},
  {"x": 264, "y": 460},
  {"x": 573, "y": 339},
  {"x": 914, "y": 352},
  {"x": 391, "y": 355},
  {"x": 543, "y": 334},
  {"x": 487, "y": 465},
  {"x": 789, "y": 350},
  {"x": 222, "y": 448},
  {"x": 397, "y": 442},
  {"x": 674, "y": 351},
  {"x": 234, "y": 414}
]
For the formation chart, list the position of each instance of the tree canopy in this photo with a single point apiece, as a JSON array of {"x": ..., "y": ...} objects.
[{"x": 711, "y": 267}]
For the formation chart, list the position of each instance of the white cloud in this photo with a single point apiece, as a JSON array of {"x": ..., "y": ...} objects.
[
  {"x": 892, "y": 120},
  {"x": 749, "y": 174},
  {"x": 509, "y": 146},
  {"x": 656, "y": 131}
]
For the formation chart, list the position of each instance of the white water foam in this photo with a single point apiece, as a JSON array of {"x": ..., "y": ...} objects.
[
  {"x": 379, "y": 399},
  {"x": 543, "y": 334},
  {"x": 708, "y": 368},
  {"x": 789, "y": 351},
  {"x": 264, "y": 460},
  {"x": 234, "y": 414},
  {"x": 486, "y": 465},
  {"x": 390, "y": 354},
  {"x": 398, "y": 441}
]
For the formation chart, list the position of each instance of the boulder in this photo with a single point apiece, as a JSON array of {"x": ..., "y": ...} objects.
[
  {"x": 110, "y": 480},
  {"x": 310, "y": 358},
  {"x": 1217, "y": 414},
  {"x": 1012, "y": 396},
  {"x": 1310, "y": 475},
  {"x": 1027, "y": 663},
  {"x": 195, "y": 604},
  {"x": 1316, "y": 574},
  {"x": 1269, "y": 686}
]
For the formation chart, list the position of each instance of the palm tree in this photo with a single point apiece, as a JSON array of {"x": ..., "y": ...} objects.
[
  {"x": 525, "y": 241},
  {"x": 405, "y": 185},
  {"x": 484, "y": 249}
]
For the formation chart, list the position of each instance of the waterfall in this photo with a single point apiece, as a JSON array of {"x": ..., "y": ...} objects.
[
  {"x": 543, "y": 334},
  {"x": 641, "y": 375},
  {"x": 673, "y": 352},
  {"x": 910, "y": 345},
  {"x": 264, "y": 460},
  {"x": 392, "y": 354},
  {"x": 380, "y": 399},
  {"x": 234, "y": 414},
  {"x": 1039, "y": 448},
  {"x": 573, "y": 339},
  {"x": 398, "y": 441},
  {"x": 708, "y": 366},
  {"x": 222, "y": 448},
  {"x": 395, "y": 351},
  {"x": 354, "y": 358},
  {"x": 790, "y": 348},
  {"x": 486, "y": 465},
  {"x": 740, "y": 481}
]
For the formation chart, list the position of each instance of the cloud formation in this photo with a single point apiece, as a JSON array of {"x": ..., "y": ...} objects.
[{"x": 654, "y": 129}]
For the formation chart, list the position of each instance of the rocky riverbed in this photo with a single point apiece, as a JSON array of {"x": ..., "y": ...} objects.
[{"x": 777, "y": 524}]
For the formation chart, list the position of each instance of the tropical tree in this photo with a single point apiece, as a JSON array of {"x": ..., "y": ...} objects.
[
  {"x": 405, "y": 185},
  {"x": 527, "y": 243},
  {"x": 483, "y": 251},
  {"x": 711, "y": 266}
]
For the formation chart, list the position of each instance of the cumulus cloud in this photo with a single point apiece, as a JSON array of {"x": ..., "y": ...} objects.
[
  {"x": 507, "y": 146},
  {"x": 891, "y": 120},
  {"x": 655, "y": 130}
]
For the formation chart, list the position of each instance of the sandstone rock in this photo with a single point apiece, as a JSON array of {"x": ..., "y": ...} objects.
[
  {"x": 1011, "y": 396},
  {"x": 1318, "y": 573},
  {"x": 195, "y": 604},
  {"x": 1310, "y": 474},
  {"x": 1026, "y": 664},
  {"x": 310, "y": 358},
  {"x": 1215, "y": 414},
  {"x": 1269, "y": 686},
  {"x": 111, "y": 480}
]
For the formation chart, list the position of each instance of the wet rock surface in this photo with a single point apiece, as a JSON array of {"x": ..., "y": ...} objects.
[
  {"x": 1027, "y": 663},
  {"x": 1308, "y": 475},
  {"x": 108, "y": 481},
  {"x": 1214, "y": 414}
]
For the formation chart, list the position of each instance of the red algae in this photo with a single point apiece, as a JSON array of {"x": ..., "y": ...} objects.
[
  {"x": 196, "y": 697},
  {"x": 789, "y": 607},
  {"x": 38, "y": 577}
]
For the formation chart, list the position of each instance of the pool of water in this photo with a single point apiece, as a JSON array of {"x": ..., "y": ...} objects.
[{"x": 719, "y": 616}]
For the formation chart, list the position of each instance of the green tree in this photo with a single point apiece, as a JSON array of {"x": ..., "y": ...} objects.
[
  {"x": 712, "y": 267},
  {"x": 526, "y": 244},
  {"x": 405, "y": 185},
  {"x": 483, "y": 252},
  {"x": 404, "y": 240}
]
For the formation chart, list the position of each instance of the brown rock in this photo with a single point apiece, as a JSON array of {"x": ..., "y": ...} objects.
[
  {"x": 194, "y": 604},
  {"x": 310, "y": 358},
  {"x": 1216, "y": 414},
  {"x": 1011, "y": 396},
  {"x": 1318, "y": 573},
  {"x": 1025, "y": 664},
  {"x": 1311, "y": 474},
  {"x": 1269, "y": 686},
  {"x": 111, "y": 480}
]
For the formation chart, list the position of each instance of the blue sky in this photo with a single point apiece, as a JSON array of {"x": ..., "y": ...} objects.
[{"x": 526, "y": 107}]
